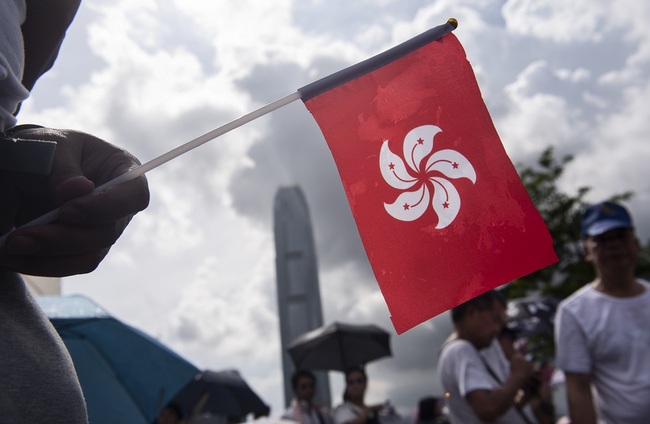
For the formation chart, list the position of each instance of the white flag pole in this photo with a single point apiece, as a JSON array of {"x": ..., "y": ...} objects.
[{"x": 174, "y": 153}]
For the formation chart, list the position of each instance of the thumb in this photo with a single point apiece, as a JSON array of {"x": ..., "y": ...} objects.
[{"x": 71, "y": 188}]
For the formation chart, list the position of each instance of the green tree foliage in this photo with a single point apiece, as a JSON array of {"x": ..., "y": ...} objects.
[{"x": 561, "y": 212}]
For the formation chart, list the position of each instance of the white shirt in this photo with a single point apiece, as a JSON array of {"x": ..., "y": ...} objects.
[
  {"x": 500, "y": 365},
  {"x": 462, "y": 371},
  {"x": 299, "y": 412},
  {"x": 609, "y": 339}
]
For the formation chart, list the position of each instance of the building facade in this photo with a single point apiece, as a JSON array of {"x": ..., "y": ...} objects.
[{"x": 299, "y": 304}]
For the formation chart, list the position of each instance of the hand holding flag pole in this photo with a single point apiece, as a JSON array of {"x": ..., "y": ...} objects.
[{"x": 166, "y": 157}]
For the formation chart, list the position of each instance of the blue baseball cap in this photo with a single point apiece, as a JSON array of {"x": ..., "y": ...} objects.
[{"x": 602, "y": 217}]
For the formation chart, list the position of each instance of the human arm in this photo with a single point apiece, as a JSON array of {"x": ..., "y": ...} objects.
[
  {"x": 89, "y": 223},
  {"x": 43, "y": 30},
  {"x": 574, "y": 358},
  {"x": 367, "y": 412},
  {"x": 347, "y": 414},
  {"x": 489, "y": 405},
  {"x": 540, "y": 398},
  {"x": 579, "y": 397}
]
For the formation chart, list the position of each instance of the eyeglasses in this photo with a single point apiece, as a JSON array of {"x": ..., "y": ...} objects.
[
  {"x": 306, "y": 386},
  {"x": 356, "y": 381},
  {"x": 610, "y": 237}
]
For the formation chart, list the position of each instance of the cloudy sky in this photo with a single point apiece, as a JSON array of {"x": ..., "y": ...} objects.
[{"x": 196, "y": 269}]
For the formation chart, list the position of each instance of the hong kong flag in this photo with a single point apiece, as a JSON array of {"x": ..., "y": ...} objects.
[{"x": 441, "y": 211}]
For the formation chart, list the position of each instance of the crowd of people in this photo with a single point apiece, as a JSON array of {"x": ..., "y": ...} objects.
[
  {"x": 353, "y": 409},
  {"x": 601, "y": 337}
]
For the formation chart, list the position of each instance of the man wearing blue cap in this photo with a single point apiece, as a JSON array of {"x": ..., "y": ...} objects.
[{"x": 603, "y": 329}]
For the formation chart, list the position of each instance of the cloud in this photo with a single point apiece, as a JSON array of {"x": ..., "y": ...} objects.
[{"x": 562, "y": 22}]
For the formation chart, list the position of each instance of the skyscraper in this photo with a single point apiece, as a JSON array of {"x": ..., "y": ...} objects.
[{"x": 299, "y": 303}]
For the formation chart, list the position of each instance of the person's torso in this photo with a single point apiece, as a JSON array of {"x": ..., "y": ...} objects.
[
  {"x": 617, "y": 332},
  {"x": 461, "y": 370}
]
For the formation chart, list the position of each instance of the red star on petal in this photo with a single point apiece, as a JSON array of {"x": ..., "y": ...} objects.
[
  {"x": 406, "y": 206},
  {"x": 455, "y": 165},
  {"x": 420, "y": 140},
  {"x": 391, "y": 166},
  {"x": 445, "y": 205}
]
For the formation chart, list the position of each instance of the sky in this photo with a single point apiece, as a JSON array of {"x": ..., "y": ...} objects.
[{"x": 196, "y": 269}]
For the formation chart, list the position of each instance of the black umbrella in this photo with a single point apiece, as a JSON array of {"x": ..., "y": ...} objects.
[
  {"x": 530, "y": 317},
  {"x": 339, "y": 347},
  {"x": 220, "y": 393}
]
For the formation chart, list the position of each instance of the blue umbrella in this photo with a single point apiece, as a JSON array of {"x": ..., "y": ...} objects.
[{"x": 126, "y": 375}]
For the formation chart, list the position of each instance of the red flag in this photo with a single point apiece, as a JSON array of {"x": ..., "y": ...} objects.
[{"x": 441, "y": 211}]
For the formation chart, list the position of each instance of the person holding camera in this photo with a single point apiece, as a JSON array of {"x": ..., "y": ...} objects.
[
  {"x": 481, "y": 384},
  {"x": 535, "y": 398}
]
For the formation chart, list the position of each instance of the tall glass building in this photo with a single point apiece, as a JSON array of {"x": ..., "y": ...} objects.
[{"x": 299, "y": 304}]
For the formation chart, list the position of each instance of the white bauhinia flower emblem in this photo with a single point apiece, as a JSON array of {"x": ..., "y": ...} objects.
[{"x": 423, "y": 182}]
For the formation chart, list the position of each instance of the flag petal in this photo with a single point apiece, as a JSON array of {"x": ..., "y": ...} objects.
[
  {"x": 409, "y": 205},
  {"x": 418, "y": 143},
  {"x": 451, "y": 164},
  {"x": 393, "y": 169},
  {"x": 446, "y": 201}
]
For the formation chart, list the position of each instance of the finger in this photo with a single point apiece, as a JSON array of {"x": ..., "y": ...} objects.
[
  {"x": 53, "y": 266},
  {"x": 72, "y": 188},
  {"x": 84, "y": 157},
  {"x": 60, "y": 240},
  {"x": 105, "y": 207}
]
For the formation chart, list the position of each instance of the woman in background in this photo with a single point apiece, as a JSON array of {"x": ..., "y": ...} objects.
[{"x": 353, "y": 410}]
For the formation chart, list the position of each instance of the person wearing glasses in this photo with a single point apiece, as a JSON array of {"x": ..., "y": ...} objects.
[
  {"x": 353, "y": 410},
  {"x": 478, "y": 389},
  {"x": 602, "y": 331},
  {"x": 302, "y": 408}
]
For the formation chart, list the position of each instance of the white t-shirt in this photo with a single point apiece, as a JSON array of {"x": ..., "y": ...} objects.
[
  {"x": 609, "y": 339},
  {"x": 499, "y": 364},
  {"x": 345, "y": 412},
  {"x": 462, "y": 371},
  {"x": 299, "y": 412},
  {"x": 12, "y": 58}
]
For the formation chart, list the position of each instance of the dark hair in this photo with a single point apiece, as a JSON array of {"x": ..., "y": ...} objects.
[
  {"x": 356, "y": 369},
  {"x": 349, "y": 371},
  {"x": 482, "y": 302},
  {"x": 298, "y": 374},
  {"x": 427, "y": 409}
]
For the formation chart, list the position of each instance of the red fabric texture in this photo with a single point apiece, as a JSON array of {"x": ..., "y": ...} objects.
[{"x": 446, "y": 248}]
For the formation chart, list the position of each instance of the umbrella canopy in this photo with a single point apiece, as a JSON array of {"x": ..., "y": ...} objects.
[
  {"x": 339, "y": 346},
  {"x": 220, "y": 393},
  {"x": 531, "y": 316},
  {"x": 126, "y": 375}
]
